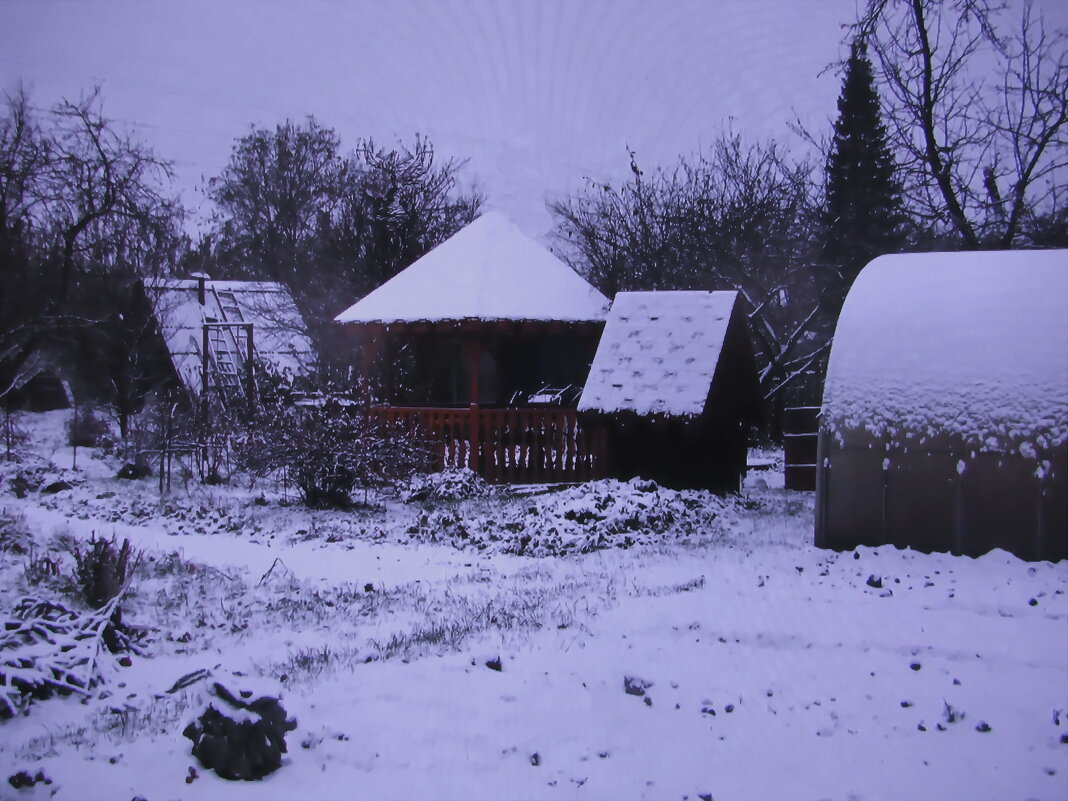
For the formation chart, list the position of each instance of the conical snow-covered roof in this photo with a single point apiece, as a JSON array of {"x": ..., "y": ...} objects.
[{"x": 490, "y": 270}]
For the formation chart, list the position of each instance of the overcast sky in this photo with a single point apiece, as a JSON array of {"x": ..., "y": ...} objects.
[{"x": 538, "y": 94}]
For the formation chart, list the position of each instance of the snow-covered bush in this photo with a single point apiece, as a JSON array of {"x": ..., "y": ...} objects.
[
  {"x": 609, "y": 514},
  {"x": 451, "y": 484},
  {"x": 14, "y": 536},
  {"x": 327, "y": 449},
  {"x": 102, "y": 570}
]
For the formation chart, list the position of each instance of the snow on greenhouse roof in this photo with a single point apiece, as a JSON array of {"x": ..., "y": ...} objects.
[
  {"x": 658, "y": 353},
  {"x": 280, "y": 341},
  {"x": 490, "y": 270},
  {"x": 973, "y": 345}
]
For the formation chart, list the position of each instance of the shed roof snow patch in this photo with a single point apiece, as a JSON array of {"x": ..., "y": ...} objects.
[
  {"x": 970, "y": 345},
  {"x": 280, "y": 341},
  {"x": 490, "y": 270},
  {"x": 658, "y": 353}
]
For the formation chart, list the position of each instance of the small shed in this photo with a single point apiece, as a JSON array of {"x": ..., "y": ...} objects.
[
  {"x": 675, "y": 381},
  {"x": 945, "y": 413},
  {"x": 235, "y": 324}
]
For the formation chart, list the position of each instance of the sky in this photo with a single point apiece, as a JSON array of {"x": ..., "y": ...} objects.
[{"x": 539, "y": 95}]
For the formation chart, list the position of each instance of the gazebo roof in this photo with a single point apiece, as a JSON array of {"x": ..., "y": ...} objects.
[{"x": 490, "y": 270}]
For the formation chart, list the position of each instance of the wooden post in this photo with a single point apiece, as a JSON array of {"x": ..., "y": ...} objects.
[
  {"x": 472, "y": 443},
  {"x": 368, "y": 351},
  {"x": 250, "y": 374},
  {"x": 387, "y": 350},
  {"x": 204, "y": 365},
  {"x": 473, "y": 352},
  {"x": 203, "y": 450}
]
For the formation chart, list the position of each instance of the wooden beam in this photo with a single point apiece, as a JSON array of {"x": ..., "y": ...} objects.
[{"x": 473, "y": 350}]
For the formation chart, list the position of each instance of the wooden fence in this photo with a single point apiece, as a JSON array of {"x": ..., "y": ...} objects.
[{"x": 508, "y": 446}]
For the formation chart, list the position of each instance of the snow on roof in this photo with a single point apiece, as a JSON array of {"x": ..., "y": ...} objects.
[
  {"x": 280, "y": 341},
  {"x": 658, "y": 353},
  {"x": 974, "y": 345},
  {"x": 490, "y": 270}
]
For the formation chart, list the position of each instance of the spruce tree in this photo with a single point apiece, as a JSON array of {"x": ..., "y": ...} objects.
[{"x": 863, "y": 217}]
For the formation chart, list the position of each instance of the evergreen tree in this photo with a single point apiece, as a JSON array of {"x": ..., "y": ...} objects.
[{"x": 864, "y": 216}]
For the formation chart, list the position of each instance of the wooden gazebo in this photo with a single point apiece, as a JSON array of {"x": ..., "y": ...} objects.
[{"x": 483, "y": 346}]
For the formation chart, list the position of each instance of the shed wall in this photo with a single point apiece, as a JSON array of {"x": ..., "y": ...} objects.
[{"x": 918, "y": 499}]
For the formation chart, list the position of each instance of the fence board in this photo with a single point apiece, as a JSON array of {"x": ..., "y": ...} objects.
[{"x": 516, "y": 446}]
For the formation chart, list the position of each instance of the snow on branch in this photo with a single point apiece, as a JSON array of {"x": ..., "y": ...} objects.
[{"x": 46, "y": 648}]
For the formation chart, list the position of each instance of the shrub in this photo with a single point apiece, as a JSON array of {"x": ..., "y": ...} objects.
[
  {"x": 102, "y": 569},
  {"x": 168, "y": 434},
  {"x": 14, "y": 536},
  {"x": 101, "y": 574},
  {"x": 86, "y": 429},
  {"x": 327, "y": 448},
  {"x": 14, "y": 436}
]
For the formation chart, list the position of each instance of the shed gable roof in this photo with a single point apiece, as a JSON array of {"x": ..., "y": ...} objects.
[
  {"x": 489, "y": 270},
  {"x": 658, "y": 353}
]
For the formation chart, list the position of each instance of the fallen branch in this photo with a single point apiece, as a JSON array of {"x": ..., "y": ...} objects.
[{"x": 46, "y": 648}]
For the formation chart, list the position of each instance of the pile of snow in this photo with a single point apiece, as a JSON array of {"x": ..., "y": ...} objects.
[
  {"x": 451, "y": 484},
  {"x": 970, "y": 345},
  {"x": 590, "y": 517},
  {"x": 765, "y": 469}
]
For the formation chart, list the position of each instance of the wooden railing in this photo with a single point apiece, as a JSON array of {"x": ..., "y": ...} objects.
[{"x": 513, "y": 446}]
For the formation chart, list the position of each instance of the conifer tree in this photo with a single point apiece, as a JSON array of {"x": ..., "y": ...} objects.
[{"x": 864, "y": 216}]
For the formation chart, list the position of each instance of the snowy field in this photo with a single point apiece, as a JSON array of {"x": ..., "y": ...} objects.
[{"x": 758, "y": 667}]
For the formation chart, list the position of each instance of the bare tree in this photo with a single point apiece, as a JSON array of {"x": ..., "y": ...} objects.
[
  {"x": 399, "y": 204},
  {"x": 105, "y": 204},
  {"x": 103, "y": 195},
  {"x": 634, "y": 236},
  {"x": 740, "y": 217},
  {"x": 331, "y": 228},
  {"x": 85, "y": 215},
  {"x": 23, "y": 294},
  {"x": 979, "y": 115},
  {"x": 272, "y": 195}
]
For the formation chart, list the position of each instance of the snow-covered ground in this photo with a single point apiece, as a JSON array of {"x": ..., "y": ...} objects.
[{"x": 770, "y": 669}]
